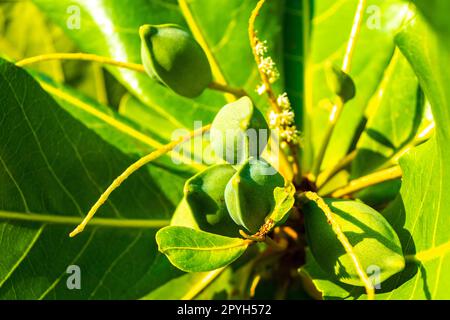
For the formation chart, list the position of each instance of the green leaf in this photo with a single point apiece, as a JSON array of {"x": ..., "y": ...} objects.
[
  {"x": 181, "y": 288},
  {"x": 426, "y": 170},
  {"x": 52, "y": 169},
  {"x": 330, "y": 288},
  {"x": 197, "y": 251},
  {"x": 396, "y": 121},
  {"x": 284, "y": 201},
  {"x": 232, "y": 282},
  {"x": 436, "y": 14},
  {"x": 394, "y": 116},
  {"x": 26, "y": 34},
  {"x": 110, "y": 28},
  {"x": 419, "y": 214},
  {"x": 133, "y": 109}
]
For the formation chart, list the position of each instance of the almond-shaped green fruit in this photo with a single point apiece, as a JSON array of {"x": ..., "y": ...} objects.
[
  {"x": 340, "y": 83},
  {"x": 239, "y": 131},
  {"x": 374, "y": 241},
  {"x": 249, "y": 195},
  {"x": 171, "y": 56},
  {"x": 204, "y": 194}
]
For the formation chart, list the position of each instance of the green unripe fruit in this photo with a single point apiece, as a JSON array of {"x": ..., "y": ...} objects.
[
  {"x": 204, "y": 194},
  {"x": 374, "y": 242},
  {"x": 171, "y": 56},
  {"x": 239, "y": 131},
  {"x": 249, "y": 195},
  {"x": 340, "y": 83}
]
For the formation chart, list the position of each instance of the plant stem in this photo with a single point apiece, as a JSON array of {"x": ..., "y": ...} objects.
[
  {"x": 274, "y": 245},
  {"x": 72, "y": 220},
  {"x": 129, "y": 171},
  {"x": 199, "y": 286},
  {"x": 327, "y": 175},
  {"x": 307, "y": 78},
  {"x": 312, "y": 196},
  {"x": 335, "y": 113},
  {"x": 430, "y": 254},
  {"x": 254, "y": 285},
  {"x": 356, "y": 28},
  {"x": 339, "y": 104},
  {"x": 83, "y": 57},
  {"x": 237, "y": 92},
  {"x": 367, "y": 181}
]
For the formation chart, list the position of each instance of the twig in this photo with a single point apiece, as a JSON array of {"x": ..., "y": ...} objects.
[{"x": 367, "y": 181}]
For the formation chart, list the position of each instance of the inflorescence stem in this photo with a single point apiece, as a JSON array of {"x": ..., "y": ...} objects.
[
  {"x": 253, "y": 42},
  {"x": 267, "y": 85}
]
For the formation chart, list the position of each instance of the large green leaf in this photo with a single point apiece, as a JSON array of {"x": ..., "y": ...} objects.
[
  {"x": 110, "y": 29},
  {"x": 46, "y": 148},
  {"x": 26, "y": 33},
  {"x": 426, "y": 169},
  {"x": 232, "y": 282},
  {"x": 395, "y": 116},
  {"x": 420, "y": 213},
  {"x": 436, "y": 13}
]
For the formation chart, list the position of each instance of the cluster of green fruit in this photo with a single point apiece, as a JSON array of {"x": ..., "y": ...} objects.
[
  {"x": 241, "y": 193},
  {"x": 241, "y": 190}
]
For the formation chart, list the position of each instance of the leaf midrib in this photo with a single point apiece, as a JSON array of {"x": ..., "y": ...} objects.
[
  {"x": 74, "y": 220},
  {"x": 243, "y": 243}
]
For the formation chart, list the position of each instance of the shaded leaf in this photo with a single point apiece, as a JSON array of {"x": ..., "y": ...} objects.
[{"x": 374, "y": 241}]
